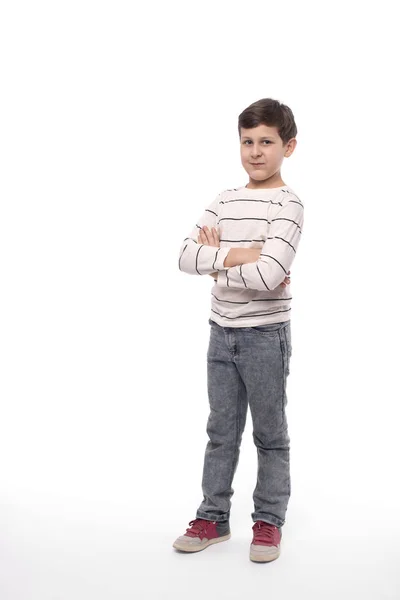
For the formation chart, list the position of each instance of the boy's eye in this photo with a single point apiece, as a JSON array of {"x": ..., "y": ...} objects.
[{"x": 268, "y": 141}]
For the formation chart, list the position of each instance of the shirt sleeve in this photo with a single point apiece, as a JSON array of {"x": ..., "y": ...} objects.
[
  {"x": 200, "y": 259},
  {"x": 277, "y": 253}
]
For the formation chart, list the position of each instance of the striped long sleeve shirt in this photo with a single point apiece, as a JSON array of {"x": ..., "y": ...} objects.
[{"x": 250, "y": 294}]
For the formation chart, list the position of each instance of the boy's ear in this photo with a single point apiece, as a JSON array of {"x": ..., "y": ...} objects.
[{"x": 290, "y": 146}]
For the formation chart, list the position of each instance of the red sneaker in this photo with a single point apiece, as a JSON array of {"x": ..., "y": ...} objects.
[
  {"x": 201, "y": 534},
  {"x": 266, "y": 542}
]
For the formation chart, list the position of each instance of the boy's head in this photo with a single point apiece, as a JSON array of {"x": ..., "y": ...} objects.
[{"x": 267, "y": 132}]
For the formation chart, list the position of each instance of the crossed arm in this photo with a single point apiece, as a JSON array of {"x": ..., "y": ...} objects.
[{"x": 235, "y": 256}]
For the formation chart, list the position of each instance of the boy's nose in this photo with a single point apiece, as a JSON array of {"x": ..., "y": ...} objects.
[{"x": 255, "y": 152}]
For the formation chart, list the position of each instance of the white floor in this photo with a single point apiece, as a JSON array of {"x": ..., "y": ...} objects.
[{"x": 60, "y": 553}]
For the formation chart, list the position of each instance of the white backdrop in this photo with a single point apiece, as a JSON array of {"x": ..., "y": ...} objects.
[{"x": 118, "y": 127}]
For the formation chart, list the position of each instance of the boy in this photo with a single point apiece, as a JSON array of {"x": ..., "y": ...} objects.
[{"x": 249, "y": 351}]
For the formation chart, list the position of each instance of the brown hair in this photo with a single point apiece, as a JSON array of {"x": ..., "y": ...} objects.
[{"x": 272, "y": 113}]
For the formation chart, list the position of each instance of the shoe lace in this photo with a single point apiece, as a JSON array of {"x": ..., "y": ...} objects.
[
  {"x": 264, "y": 532},
  {"x": 197, "y": 526}
]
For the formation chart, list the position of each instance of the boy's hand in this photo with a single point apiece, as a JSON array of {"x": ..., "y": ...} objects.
[
  {"x": 207, "y": 237},
  {"x": 286, "y": 281}
]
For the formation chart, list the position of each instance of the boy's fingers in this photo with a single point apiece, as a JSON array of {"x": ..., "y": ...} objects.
[
  {"x": 203, "y": 236},
  {"x": 208, "y": 235},
  {"x": 213, "y": 234}
]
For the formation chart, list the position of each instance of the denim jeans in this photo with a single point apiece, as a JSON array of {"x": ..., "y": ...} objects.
[{"x": 247, "y": 366}]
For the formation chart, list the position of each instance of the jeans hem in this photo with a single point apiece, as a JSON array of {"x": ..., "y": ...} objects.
[
  {"x": 268, "y": 519},
  {"x": 210, "y": 517}
]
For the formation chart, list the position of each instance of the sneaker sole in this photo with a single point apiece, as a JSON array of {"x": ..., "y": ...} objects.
[
  {"x": 185, "y": 548},
  {"x": 260, "y": 558}
]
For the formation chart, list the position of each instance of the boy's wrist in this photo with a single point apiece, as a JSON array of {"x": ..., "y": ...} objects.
[
  {"x": 241, "y": 256},
  {"x": 228, "y": 258},
  {"x": 219, "y": 263}
]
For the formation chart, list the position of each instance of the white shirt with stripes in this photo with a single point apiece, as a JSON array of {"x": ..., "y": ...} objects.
[{"x": 248, "y": 295}]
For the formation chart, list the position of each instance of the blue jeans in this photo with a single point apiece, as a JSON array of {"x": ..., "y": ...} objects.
[{"x": 247, "y": 365}]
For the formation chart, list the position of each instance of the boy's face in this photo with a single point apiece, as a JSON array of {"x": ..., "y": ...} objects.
[{"x": 262, "y": 144}]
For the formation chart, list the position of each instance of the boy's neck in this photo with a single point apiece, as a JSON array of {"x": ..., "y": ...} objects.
[{"x": 265, "y": 185}]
